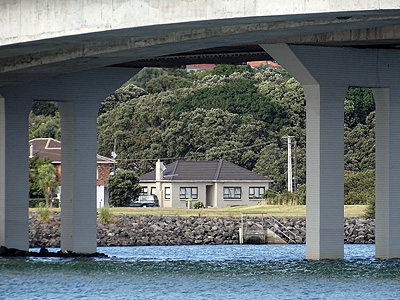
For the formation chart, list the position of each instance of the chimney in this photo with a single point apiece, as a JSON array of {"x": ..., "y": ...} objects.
[{"x": 158, "y": 170}]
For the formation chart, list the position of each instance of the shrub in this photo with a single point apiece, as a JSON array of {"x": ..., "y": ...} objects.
[
  {"x": 359, "y": 187},
  {"x": 44, "y": 212},
  {"x": 35, "y": 202},
  {"x": 270, "y": 194},
  {"x": 198, "y": 205},
  {"x": 105, "y": 215},
  {"x": 286, "y": 198},
  {"x": 370, "y": 209}
]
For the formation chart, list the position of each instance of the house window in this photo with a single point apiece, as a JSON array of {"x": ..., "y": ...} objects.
[
  {"x": 153, "y": 190},
  {"x": 143, "y": 190},
  {"x": 232, "y": 192},
  {"x": 167, "y": 193},
  {"x": 188, "y": 193},
  {"x": 256, "y": 192}
]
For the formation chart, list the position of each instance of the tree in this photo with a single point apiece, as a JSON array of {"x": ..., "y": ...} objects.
[
  {"x": 123, "y": 187},
  {"x": 46, "y": 180},
  {"x": 45, "y": 108},
  {"x": 34, "y": 163},
  {"x": 123, "y": 94},
  {"x": 166, "y": 82},
  {"x": 226, "y": 70},
  {"x": 44, "y": 126},
  {"x": 238, "y": 96},
  {"x": 359, "y": 187}
]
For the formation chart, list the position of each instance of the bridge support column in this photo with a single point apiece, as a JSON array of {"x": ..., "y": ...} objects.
[
  {"x": 387, "y": 207},
  {"x": 78, "y": 96},
  {"x": 325, "y": 169},
  {"x": 14, "y": 165},
  {"x": 78, "y": 175},
  {"x": 325, "y": 130}
]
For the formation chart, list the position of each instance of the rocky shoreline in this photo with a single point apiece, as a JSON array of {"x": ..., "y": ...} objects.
[{"x": 150, "y": 230}]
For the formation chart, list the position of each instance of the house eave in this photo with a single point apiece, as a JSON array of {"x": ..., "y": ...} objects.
[{"x": 208, "y": 181}]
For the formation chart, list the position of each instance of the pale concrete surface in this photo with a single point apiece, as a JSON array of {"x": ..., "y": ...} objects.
[
  {"x": 325, "y": 82},
  {"x": 14, "y": 176},
  {"x": 43, "y": 39},
  {"x": 25, "y": 21},
  {"x": 387, "y": 171},
  {"x": 79, "y": 96}
]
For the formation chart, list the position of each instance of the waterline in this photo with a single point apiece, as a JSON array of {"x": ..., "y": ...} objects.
[{"x": 203, "y": 272}]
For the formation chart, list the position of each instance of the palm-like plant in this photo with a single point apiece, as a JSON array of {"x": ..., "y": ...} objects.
[{"x": 47, "y": 182}]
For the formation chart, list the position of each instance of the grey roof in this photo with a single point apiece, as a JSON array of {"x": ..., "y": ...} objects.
[{"x": 219, "y": 170}]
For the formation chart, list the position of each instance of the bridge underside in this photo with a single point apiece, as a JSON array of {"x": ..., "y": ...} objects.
[{"x": 325, "y": 62}]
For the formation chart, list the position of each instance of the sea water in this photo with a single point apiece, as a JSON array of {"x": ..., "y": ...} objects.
[{"x": 203, "y": 272}]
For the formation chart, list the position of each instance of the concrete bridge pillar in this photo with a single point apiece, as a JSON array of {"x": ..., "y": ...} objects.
[
  {"x": 78, "y": 174},
  {"x": 387, "y": 207},
  {"x": 325, "y": 73},
  {"x": 78, "y": 96},
  {"x": 14, "y": 166},
  {"x": 325, "y": 167}
]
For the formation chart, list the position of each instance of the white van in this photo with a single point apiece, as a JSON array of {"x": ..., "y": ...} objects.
[{"x": 145, "y": 201}]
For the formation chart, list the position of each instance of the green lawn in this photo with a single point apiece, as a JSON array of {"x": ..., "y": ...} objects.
[
  {"x": 236, "y": 211},
  {"x": 274, "y": 210}
]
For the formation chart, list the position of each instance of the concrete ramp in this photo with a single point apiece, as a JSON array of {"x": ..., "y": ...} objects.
[{"x": 259, "y": 236}]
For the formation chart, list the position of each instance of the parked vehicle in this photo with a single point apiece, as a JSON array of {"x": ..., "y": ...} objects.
[{"x": 145, "y": 201}]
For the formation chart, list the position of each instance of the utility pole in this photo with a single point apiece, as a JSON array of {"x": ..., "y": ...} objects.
[
  {"x": 295, "y": 167},
  {"x": 290, "y": 176}
]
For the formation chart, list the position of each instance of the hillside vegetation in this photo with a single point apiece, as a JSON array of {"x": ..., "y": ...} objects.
[{"x": 232, "y": 112}]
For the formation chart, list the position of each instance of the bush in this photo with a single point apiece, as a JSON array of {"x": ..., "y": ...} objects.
[
  {"x": 270, "y": 194},
  {"x": 105, "y": 215},
  {"x": 370, "y": 209},
  {"x": 286, "y": 198},
  {"x": 123, "y": 187},
  {"x": 198, "y": 205},
  {"x": 44, "y": 212},
  {"x": 36, "y": 202},
  {"x": 359, "y": 187}
]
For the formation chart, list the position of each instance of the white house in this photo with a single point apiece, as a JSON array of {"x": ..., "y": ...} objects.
[{"x": 215, "y": 183}]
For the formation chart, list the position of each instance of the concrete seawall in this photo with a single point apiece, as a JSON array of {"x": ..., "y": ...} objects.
[{"x": 138, "y": 230}]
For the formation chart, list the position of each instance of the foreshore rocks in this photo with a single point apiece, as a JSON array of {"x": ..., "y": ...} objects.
[{"x": 146, "y": 230}]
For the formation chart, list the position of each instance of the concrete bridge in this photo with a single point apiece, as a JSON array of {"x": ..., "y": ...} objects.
[{"x": 78, "y": 52}]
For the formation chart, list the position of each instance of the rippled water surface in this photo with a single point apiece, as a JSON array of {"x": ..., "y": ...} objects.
[{"x": 203, "y": 272}]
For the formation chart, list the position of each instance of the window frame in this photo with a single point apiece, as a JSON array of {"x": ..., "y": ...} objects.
[
  {"x": 253, "y": 195},
  {"x": 193, "y": 195},
  {"x": 143, "y": 191},
  {"x": 153, "y": 189},
  {"x": 236, "y": 195},
  {"x": 167, "y": 196}
]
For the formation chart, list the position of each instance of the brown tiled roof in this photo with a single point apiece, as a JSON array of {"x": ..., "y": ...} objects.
[
  {"x": 215, "y": 170},
  {"x": 51, "y": 148}
]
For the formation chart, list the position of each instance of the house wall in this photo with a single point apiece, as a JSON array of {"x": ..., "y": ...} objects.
[
  {"x": 244, "y": 200},
  {"x": 201, "y": 193},
  {"x": 102, "y": 196},
  {"x": 103, "y": 171},
  {"x": 216, "y": 191}
]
